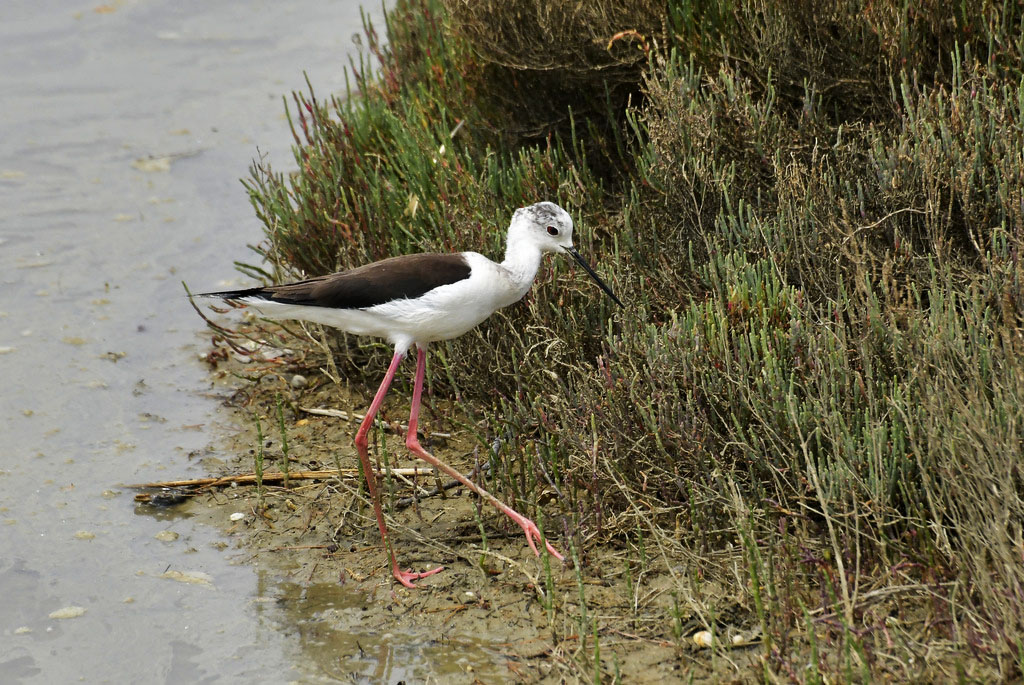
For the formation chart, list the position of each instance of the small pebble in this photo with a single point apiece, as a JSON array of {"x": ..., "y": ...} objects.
[
  {"x": 703, "y": 638},
  {"x": 152, "y": 164},
  {"x": 191, "y": 577},
  {"x": 68, "y": 612},
  {"x": 299, "y": 381},
  {"x": 166, "y": 536},
  {"x": 237, "y": 516}
]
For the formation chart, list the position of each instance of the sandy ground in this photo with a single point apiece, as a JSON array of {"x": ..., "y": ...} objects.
[{"x": 495, "y": 613}]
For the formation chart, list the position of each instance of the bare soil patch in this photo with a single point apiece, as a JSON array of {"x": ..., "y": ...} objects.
[{"x": 497, "y": 612}]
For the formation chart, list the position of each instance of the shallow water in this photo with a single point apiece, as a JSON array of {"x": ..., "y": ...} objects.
[{"x": 124, "y": 129}]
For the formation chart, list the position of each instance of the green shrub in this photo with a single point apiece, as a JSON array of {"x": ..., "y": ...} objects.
[{"x": 814, "y": 214}]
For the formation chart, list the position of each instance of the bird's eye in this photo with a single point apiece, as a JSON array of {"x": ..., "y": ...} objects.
[{"x": 552, "y": 230}]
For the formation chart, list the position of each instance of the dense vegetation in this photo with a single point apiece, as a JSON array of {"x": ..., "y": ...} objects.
[{"x": 815, "y": 214}]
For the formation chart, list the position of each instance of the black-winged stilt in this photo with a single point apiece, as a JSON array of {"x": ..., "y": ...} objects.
[{"x": 418, "y": 299}]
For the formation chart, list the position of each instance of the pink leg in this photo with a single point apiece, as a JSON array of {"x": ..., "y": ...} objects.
[
  {"x": 403, "y": 577},
  {"x": 413, "y": 443}
]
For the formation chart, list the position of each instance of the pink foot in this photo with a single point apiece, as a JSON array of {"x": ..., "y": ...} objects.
[
  {"x": 406, "y": 577},
  {"x": 532, "y": 532}
]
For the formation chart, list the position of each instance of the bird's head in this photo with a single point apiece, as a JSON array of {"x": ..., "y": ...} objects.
[
  {"x": 549, "y": 227},
  {"x": 545, "y": 224}
]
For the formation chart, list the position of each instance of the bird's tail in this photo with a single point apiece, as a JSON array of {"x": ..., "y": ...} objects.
[{"x": 257, "y": 293}]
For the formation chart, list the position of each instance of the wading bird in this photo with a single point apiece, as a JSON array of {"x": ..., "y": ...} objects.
[{"x": 416, "y": 300}]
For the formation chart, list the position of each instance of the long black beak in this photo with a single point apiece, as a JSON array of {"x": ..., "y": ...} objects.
[{"x": 586, "y": 267}]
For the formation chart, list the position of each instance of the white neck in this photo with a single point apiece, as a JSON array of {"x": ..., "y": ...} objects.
[{"x": 522, "y": 259}]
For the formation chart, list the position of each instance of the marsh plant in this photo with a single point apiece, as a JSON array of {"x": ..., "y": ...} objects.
[{"x": 815, "y": 212}]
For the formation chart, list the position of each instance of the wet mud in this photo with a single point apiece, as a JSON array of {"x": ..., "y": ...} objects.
[{"x": 496, "y": 613}]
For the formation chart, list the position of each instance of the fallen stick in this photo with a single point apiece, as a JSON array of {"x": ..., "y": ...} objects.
[
  {"x": 335, "y": 413},
  {"x": 344, "y": 415},
  {"x": 406, "y": 501},
  {"x": 271, "y": 477}
]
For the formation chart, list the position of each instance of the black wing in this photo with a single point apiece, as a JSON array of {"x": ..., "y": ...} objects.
[{"x": 408, "y": 276}]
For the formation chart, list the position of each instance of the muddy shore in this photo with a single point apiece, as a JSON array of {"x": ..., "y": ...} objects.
[{"x": 496, "y": 612}]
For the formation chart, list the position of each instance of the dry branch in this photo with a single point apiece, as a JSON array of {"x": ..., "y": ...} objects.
[{"x": 272, "y": 477}]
